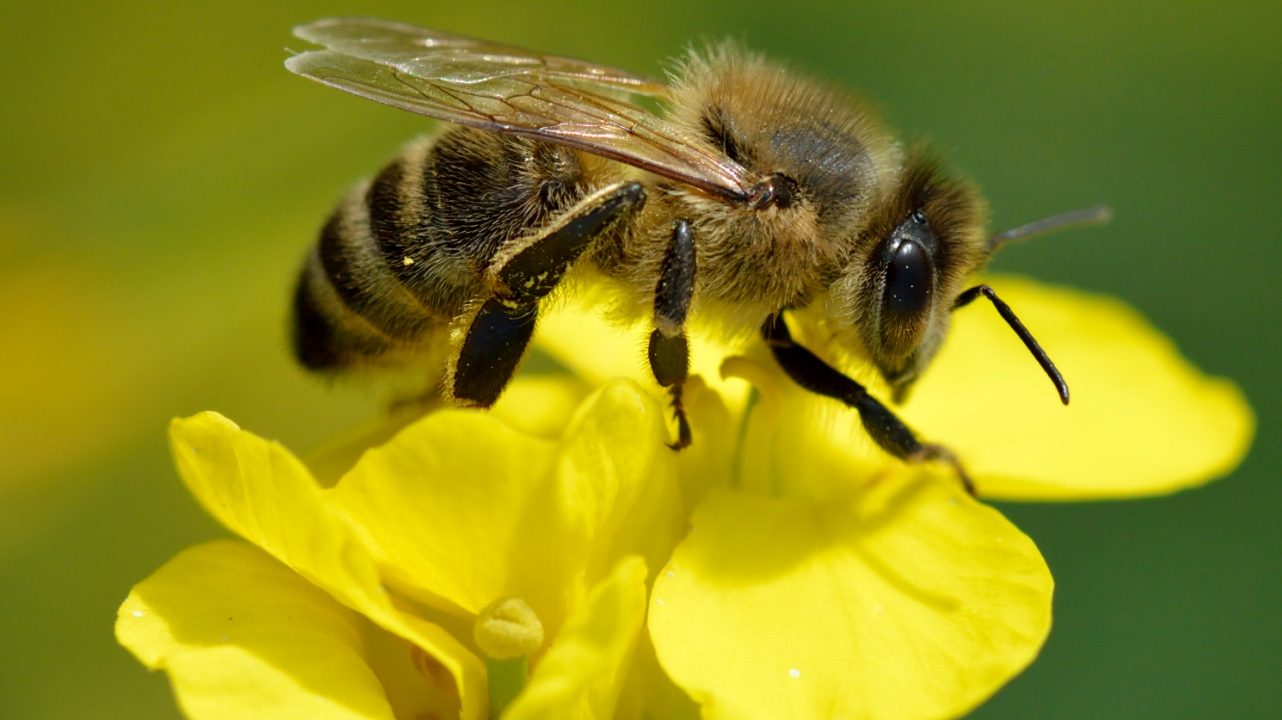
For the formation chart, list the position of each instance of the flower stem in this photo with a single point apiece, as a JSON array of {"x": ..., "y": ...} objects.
[{"x": 506, "y": 678}]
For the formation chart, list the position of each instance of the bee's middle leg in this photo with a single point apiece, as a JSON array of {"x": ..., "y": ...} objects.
[
  {"x": 669, "y": 349},
  {"x": 887, "y": 430},
  {"x": 522, "y": 273}
]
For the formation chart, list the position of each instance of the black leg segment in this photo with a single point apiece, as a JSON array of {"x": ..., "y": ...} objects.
[
  {"x": 669, "y": 349},
  {"x": 492, "y": 349},
  {"x": 670, "y": 363},
  {"x": 885, "y": 428},
  {"x": 1033, "y": 346},
  {"x": 675, "y": 291},
  {"x": 531, "y": 268},
  {"x": 521, "y": 274}
]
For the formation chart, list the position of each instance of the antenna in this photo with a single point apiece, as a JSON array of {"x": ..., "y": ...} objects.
[{"x": 1097, "y": 215}]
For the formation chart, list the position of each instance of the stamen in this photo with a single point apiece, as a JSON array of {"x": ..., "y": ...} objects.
[{"x": 507, "y": 631}]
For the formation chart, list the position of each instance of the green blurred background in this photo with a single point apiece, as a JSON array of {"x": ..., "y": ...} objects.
[{"x": 161, "y": 175}]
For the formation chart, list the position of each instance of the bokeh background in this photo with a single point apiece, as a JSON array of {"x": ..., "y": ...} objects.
[{"x": 161, "y": 175}]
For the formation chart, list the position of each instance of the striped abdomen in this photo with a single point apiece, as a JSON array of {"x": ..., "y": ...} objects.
[{"x": 401, "y": 255}]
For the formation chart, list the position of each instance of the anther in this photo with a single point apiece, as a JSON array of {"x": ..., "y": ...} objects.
[{"x": 508, "y": 628}]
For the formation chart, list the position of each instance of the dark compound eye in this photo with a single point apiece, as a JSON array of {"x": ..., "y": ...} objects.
[
  {"x": 910, "y": 268},
  {"x": 910, "y": 280}
]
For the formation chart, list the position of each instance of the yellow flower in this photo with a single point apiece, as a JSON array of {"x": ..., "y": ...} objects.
[
  {"x": 798, "y": 572},
  {"x": 360, "y": 599}
]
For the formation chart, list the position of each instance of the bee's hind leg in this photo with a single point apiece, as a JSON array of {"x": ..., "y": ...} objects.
[
  {"x": 886, "y": 429},
  {"x": 522, "y": 272},
  {"x": 669, "y": 349}
]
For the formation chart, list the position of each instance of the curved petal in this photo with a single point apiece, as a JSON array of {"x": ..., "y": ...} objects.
[
  {"x": 709, "y": 460},
  {"x": 583, "y": 671},
  {"x": 649, "y": 692},
  {"x": 266, "y": 495},
  {"x": 591, "y": 334},
  {"x": 915, "y": 602},
  {"x": 243, "y": 636},
  {"x": 588, "y": 331},
  {"x": 797, "y": 444},
  {"x": 541, "y": 405},
  {"x": 461, "y": 510},
  {"x": 437, "y": 505},
  {"x": 1142, "y": 419},
  {"x": 578, "y": 331}
]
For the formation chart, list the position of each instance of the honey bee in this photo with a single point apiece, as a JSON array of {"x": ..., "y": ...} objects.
[{"x": 751, "y": 192}]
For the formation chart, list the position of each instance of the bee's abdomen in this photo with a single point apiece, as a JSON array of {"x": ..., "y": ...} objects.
[
  {"x": 349, "y": 306},
  {"x": 403, "y": 254},
  {"x": 327, "y": 334}
]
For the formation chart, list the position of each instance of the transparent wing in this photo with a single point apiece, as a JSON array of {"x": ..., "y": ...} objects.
[{"x": 506, "y": 89}]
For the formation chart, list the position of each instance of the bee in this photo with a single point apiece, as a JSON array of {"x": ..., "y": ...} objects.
[{"x": 740, "y": 188}]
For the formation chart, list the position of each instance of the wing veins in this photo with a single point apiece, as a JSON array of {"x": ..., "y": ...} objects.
[
  {"x": 606, "y": 115},
  {"x": 641, "y": 132},
  {"x": 506, "y": 89}
]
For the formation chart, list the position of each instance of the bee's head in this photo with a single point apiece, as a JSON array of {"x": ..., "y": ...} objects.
[{"x": 924, "y": 240}]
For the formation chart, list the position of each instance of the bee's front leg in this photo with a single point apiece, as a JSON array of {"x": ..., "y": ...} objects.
[
  {"x": 892, "y": 434},
  {"x": 522, "y": 272},
  {"x": 669, "y": 349}
]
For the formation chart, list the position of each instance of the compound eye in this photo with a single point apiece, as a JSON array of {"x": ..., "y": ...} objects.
[
  {"x": 908, "y": 276},
  {"x": 910, "y": 281}
]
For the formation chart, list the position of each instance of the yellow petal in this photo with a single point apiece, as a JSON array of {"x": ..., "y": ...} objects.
[
  {"x": 582, "y": 673},
  {"x": 426, "y": 503},
  {"x": 579, "y": 333},
  {"x": 616, "y": 491},
  {"x": 916, "y": 602},
  {"x": 541, "y": 405},
  {"x": 797, "y": 444},
  {"x": 242, "y": 636},
  {"x": 1142, "y": 419},
  {"x": 590, "y": 332},
  {"x": 650, "y": 693},
  {"x": 709, "y": 460},
  {"x": 266, "y": 495},
  {"x": 461, "y": 509}
]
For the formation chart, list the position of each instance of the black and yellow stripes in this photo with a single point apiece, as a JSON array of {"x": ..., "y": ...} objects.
[{"x": 404, "y": 254}]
